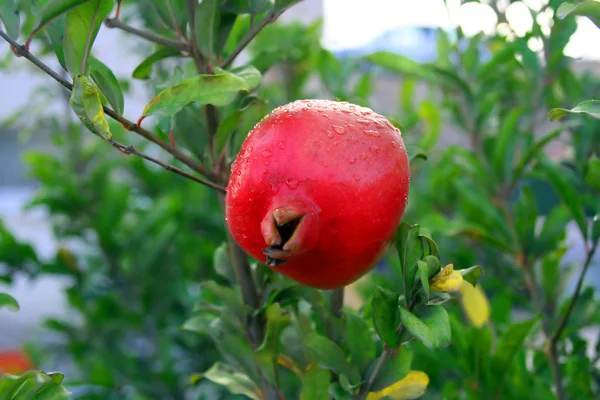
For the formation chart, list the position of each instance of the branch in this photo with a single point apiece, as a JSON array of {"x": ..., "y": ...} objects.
[
  {"x": 115, "y": 23},
  {"x": 178, "y": 154},
  {"x": 563, "y": 322},
  {"x": 254, "y": 30},
  {"x": 193, "y": 42}
]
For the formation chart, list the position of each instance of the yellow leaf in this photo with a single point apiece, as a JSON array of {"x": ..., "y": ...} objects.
[
  {"x": 447, "y": 280},
  {"x": 412, "y": 386},
  {"x": 475, "y": 303}
]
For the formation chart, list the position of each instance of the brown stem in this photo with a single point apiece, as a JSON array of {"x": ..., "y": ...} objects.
[
  {"x": 115, "y": 23},
  {"x": 127, "y": 124}
]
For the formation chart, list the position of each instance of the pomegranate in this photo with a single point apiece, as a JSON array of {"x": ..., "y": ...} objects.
[{"x": 317, "y": 191}]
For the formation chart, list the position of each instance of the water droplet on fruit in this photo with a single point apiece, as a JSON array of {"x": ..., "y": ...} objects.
[
  {"x": 356, "y": 178},
  {"x": 363, "y": 121},
  {"x": 326, "y": 115},
  {"x": 371, "y": 132},
  {"x": 351, "y": 160},
  {"x": 292, "y": 183},
  {"x": 363, "y": 156},
  {"x": 329, "y": 134},
  {"x": 374, "y": 149},
  {"x": 250, "y": 148},
  {"x": 351, "y": 126},
  {"x": 266, "y": 154},
  {"x": 281, "y": 145},
  {"x": 346, "y": 110},
  {"x": 339, "y": 130}
]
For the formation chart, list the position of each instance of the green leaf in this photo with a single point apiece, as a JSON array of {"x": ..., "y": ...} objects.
[
  {"x": 589, "y": 107},
  {"x": 596, "y": 229},
  {"x": 400, "y": 64},
  {"x": 410, "y": 250},
  {"x": 56, "y": 32},
  {"x": 9, "y": 302},
  {"x": 436, "y": 319},
  {"x": 590, "y": 9},
  {"x": 245, "y": 6},
  {"x": 364, "y": 86},
  {"x": 539, "y": 145},
  {"x": 508, "y": 346},
  {"x": 218, "y": 90},
  {"x": 359, "y": 340},
  {"x": 208, "y": 18},
  {"x": 417, "y": 328},
  {"x": 250, "y": 74},
  {"x": 393, "y": 370},
  {"x": 277, "y": 321},
  {"x": 562, "y": 183},
  {"x": 52, "y": 10},
  {"x": 423, "y": 271},
  {"x": 144, "y": 69},
  {"x": 592, "y": 177},
  {"x": 433, "y": 266},
  {"x": 329, "y": 355},
  {"x": 83, "y": 24},
  {"x": 10, "y": 17},
  {"x": 85, "y": 101},
  {"x": 35, "y": 385},
  {"x": 235, "y": 381},
  {"x": 386, "y": 316},
  {"x": 108, "y": 84},
  {"x": 525, "y": 217},
  {"x": 505, "y": 145},
  {"x": 553, "y": 230},
  {"x": 472, "y": 275},
  {"x": 226, "y": 296},
  {"x": 222, "y": 263},
  {"x": 551, "y": 282},
  {"x": 315, "y": 384}
]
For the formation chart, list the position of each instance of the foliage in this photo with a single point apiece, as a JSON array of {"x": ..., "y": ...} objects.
[{"x": 166, "y": 307}]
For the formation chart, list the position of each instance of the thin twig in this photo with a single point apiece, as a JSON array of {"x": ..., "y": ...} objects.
[
  {"x": 180, "y": 34},
  {"x": 254, "y": 30},
  {"x": 115, "y": 23},
  {"x": 88, "y": 43},
  {"x": 193, "y": 42},
  {"x": 565, "y": 318},
  {"x": 179, "y": 155}
]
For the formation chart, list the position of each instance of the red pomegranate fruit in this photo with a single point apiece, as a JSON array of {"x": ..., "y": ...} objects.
[{"x": 318, "y": 190}]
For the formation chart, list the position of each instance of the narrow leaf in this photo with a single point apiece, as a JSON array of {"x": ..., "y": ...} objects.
[
  {"x": 83, "y": 24},
  {"x": 423, "y": 271},
  {"x": 85, "y": 101},
  {"x": 508, "y": 346},
  {"x": 592, "y": 177},
  {"x": 316, "y": 384},
  {"x": 436, "y": 319},
  {"x": 417, "y": 328},
  {"x": 385, "y": 315},
  {"x": 590, "y": 9},
  {"x": 144, "y": 69},
  {"x": 359, "y": 340},
  {"x": 565, "y": 189},
  {"x": 218, "y": 90},
  {"x": 472, "y": 275},
  {"x": 475, "y": 304},
  {"x": 9, "y": 302},
  {"x": 208, "y": 17},
  {"x": 411, "y": 387},
  {"x": 10, "y": 17},
  {"x": 235, "y": 381},
  {"x": 108, "y": 84},
  {"x": 52, "y": 10},
  {"x": 329, "y": 355},
  {"x": 394, "y": 369},
  {"x": 410, "y": 250},
  {"x": 589, "y": 107}
]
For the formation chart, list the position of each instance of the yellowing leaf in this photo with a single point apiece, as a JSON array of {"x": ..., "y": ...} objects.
[
  {"x": 412, "y": 386},
  {"x": 447, "y": 280},
  {"x": 475, "y": 303}
]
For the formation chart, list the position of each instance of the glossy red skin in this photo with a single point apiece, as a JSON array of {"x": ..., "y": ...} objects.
[{"x": 344, "y": 163}]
